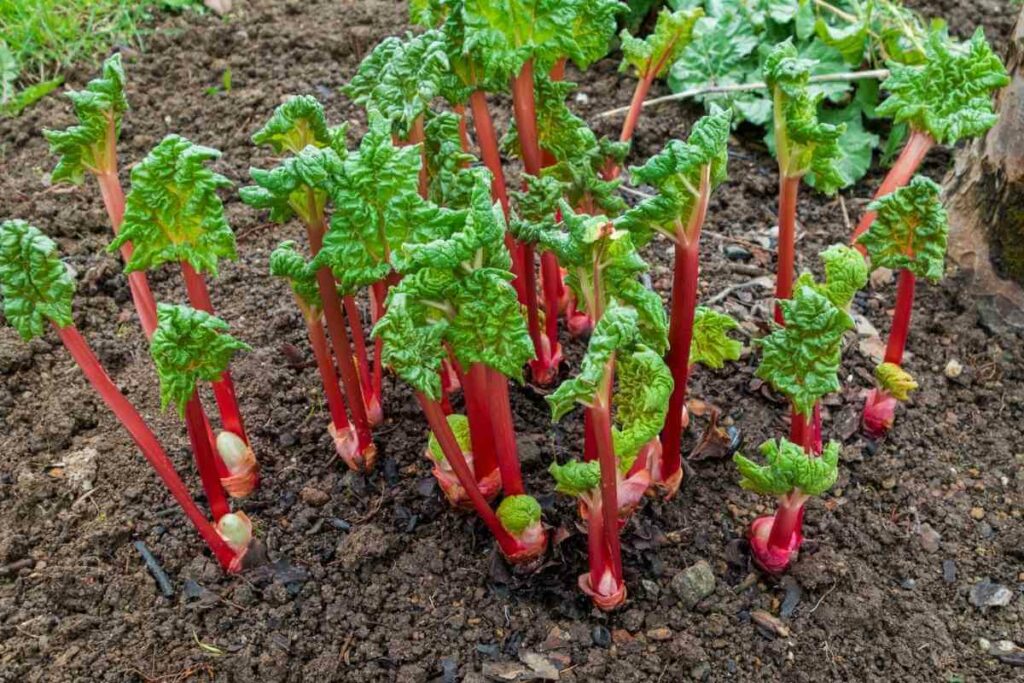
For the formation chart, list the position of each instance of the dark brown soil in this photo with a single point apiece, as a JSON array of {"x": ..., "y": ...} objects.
[{"x": 384, "y": 582}]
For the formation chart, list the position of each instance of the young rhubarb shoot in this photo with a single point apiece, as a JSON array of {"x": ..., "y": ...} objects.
[
  {"x": 802, "y": 145},
  {"x": 684, "y": 175},
  {"x": 286, "y": 262},
  {"x": 91, "y": 145},
  {"x": 190, "y": 346},
  {"x": 801, "y": 360},
  {"x": 793, "y": 477},
  {"x": 651, "y": 58},
  {"x": 38, "y": 289},
  {"x": 909, "y": 236},
  {"x": 945, "y": 99},
  {"x": 445, "y": 474},
  {"x": 299, "y": 186},
  {"x": 606, "y": 491},
  {"x": 173, "y": 215}
]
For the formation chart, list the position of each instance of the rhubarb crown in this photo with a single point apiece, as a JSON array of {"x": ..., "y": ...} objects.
[
  {"x": 576, "y": 478},
  {"x": 36, "y": 286},
  {"x": 653, "y": 56},
  {"x": 803, "y": 144},
  {"x": 99, "y": 108},
  {"x": 459, "y": 425},
  {"x": 286, "y": 262},
  {"x": 676, "y": 173},
  {"x": 711, "y": 345},
  {"x": 189, "y": 346},
  {"x": 173, "y": 212},
  {"x": 949, "y": 97},
  {"x": 910, "y": 230},
  {"x": 788, "y": 468},
  {"x": 519, "y": 513}
]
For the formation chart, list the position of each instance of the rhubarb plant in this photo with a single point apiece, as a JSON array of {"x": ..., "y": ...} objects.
[
  {"x": 190, "y": 346},
  {"x": 803, "y": 144},
  {"x": 608, "y": 488},
  {"x": 174, "y": 215},
  {"x": 91, "y": 146},
  {"x": 800, "y": 359},
  {"x": 651, "y": 58},
  {"x": 287, "y": 263},
  {"x": 455, "y": 302},
  {"x": 684, "y": 175},
  {"x": 37, "y": 289},
  {"x": 300, "y": 186},
  {"x": 908, "y": 236},
  {"x": 945, "y": 99}
]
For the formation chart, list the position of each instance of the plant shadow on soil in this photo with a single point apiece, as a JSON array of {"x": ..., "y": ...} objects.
[{"x": 380, "y": 580}]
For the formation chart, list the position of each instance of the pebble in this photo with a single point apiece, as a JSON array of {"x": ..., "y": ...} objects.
[
  {"x": 988, "y": 594},
  {"x": 737, "y": 253},
  {"x": 953, "y": 368},
  {"x": 768, "y": 624},
  {"x": 651, "y": 588},
  {"x": 693, "y": 584},
  {"x": 977, "y": 513},
  {"x": 949, "y": 571},
  {"x": 660, "y": 634},
  {"x": 601, "y": 636},
  {"x": 314, "y": 497},
  {"x": 908, "y": 584},
  {"x": 792, "y": 599},
  {"x": 929, "y": 538}
]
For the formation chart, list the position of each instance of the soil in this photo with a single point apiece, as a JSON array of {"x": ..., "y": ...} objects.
[{"x": 375, "y": 578}]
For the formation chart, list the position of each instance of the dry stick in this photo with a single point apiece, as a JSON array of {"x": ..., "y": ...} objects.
[{"x": 747, "y": 87}]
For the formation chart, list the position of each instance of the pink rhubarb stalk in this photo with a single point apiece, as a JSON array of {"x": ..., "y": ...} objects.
[
  {"x": 340, "y": 429},
  {"x": 147, "y": 442},
  {"x": 789, "y": 188}
]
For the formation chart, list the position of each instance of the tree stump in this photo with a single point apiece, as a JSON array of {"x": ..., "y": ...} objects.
[{"x": 984, "y": 194}]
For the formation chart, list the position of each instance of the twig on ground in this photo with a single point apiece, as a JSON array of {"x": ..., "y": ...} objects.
[{"x": 159, "y": 575}]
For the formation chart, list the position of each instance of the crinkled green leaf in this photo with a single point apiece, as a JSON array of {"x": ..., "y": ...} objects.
[
  {"x": 35, "y": 284},
  {"x": 710, "y": 345},
  {"x": 576, "y": 478},
  {"x": 401, "y": 77},
  {"x": 641, "y": 402},
  {"x": 99, "y": 108},
  {"x": 412, "y": 343},
  {"x": 653, "y": 56},
  {"x": 286, "y": 262},
  {"x": 450, "y": 179},
  {"x": 459, "y": 425},
  {"x": 298, "y": 123},
  {"x": 909, "y": 230},
  {"x": 431, "y": 13},
  {"x": 895, "y": 380},
  {"x": 377, "y": 208},
  {"x": 299, "y": 185},
  {"x": 950, "y": 95},
  {"x": 846, "y": 273},
  {"x": 675, "y": 173},
  {"x": 173, "y": 212},
  {"x": 856, "y": 144},
  {"x": 801, "y": 360},
  {"x": 519, "y": 513},
  {"x": 189, "y": 346},
  {"x": 788, "y": 469},
  {"x": 593, "y": 29},
  {"x": 507, "y": 33},
  {"x": 802, "y": 142}
]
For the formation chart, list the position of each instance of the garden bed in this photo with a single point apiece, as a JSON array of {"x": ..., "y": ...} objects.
[{"x": 375, "y": 578}]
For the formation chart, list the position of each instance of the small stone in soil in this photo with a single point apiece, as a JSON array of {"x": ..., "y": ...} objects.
[
  {"x": 314, "y": 497},
  {"x": 929, "y": 538},
  {"x": 488, "y": 649},
  {"x": 908, "y": 584},
  {"x": 660, "y": 634},
  {"x": 693, "y": 584},
  {"x": 601, "y": 636},
  {"x": 737, "y": 253},
  {"x": 768, "y": 625},
  {"x": 449, "y": 670},
  {"x": 651, "y": 588},
  {"x": 426, "y": 487},
  {"x": 988, "y": 594},
  {"x": 792, "y": 599},
  {"x": 949, "y": 571},
  {"x": 1015, "y": 659},
  {"x": 339, "y": 524},
  {"x": 391, "y": 472}
]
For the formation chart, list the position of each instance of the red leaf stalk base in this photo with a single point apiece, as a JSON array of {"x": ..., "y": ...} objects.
[
  {"x": 771, "y": 558},
  {"x": 879, "y": 413},
  {"x": 608, "y": 595}
]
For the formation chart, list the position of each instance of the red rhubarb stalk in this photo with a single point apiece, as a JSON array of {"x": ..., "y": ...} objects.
[
  {"x": 909, "y": 160},
  {"x": 477, "y": 391},
  {"x": 195, "y": 421},
  {"x": 328, "y": 374},
  {"x": 789, "y": 188},
  {"x": 504, "y": 434},
  {"x": 144, "y": 438},
  {"x": 680, "y": 333},
  {"x": 901, "y": 318}
]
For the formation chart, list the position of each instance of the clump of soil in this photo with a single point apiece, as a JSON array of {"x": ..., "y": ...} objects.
[{"x": 375, "y": 578}]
